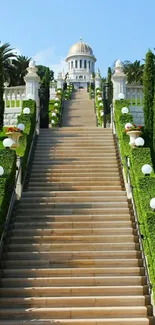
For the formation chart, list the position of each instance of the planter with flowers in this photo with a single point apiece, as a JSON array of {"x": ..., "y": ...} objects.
[
  {"x": 134, "y": 131},
  {"x": 14, "y": 133}
]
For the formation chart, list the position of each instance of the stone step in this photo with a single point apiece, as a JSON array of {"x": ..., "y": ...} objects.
[
  {"x": 74, "y": 178},
  {"x": 69, "y": 168},
  {"x": 121, "y": 238},
  {"x": 80, "y": 194},
  {"x": 72, "y": 231},
  {"x": 72, "y": 247},
  {"x": 56, "y": 272},
  {"x": 113, "y": 262},
  {"x": 71, "y": 255},
  {"x": 40, "y": 183},
  {"x": 69, "y": 225},
  {"x": 85, "y": 301},
  {"x": 88, "y": 321},
  {"x": 75, "y": 205},
  {"x": 71, "y": 211},
  {"x": 74, "y": 291},
  {"x": 76, "y": 312},
  {"x": 73, "y": 218},
  {"x": 73, "y": 281},
  {"x": 66, "y": 187}
]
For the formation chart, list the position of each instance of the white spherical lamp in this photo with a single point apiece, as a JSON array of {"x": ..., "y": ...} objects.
[
  {"x": 146, "y": 169},
  {"x": 52, "y": 121},
  {"x": 7, "y": 143},
  {"x": 1, "y": 171},
  {"x": 99, "y": 98},
  {"x": 128, "y": 125},
  {"x": 152, "y": 203},
  {"x": 53, "y": 114},
  {"x": 21, "y": 126},
  {"x": 29, "y": 96},
  {"x": 26, "y": 110},
  {"x": 102, "y": 113},
  {"x": 101, "y": 104},
  {"x": 56, "y": 105},
  {"x": 125, "y": 110},
  {"x": 139, "y": 142},
  {"x": 56, "y": 99},
  {"x": 121, "y": 96}
]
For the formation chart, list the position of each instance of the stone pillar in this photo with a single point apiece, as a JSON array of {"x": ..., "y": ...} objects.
[
  {"x": 32, "y": 83},
  {"x": 97, "y": 80},
  {"x": 60, "y": 81},
  {"x": 119, "y": 80},
  {"x": 32, "y": 88}
]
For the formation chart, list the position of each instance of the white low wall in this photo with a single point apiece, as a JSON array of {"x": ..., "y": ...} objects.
[
  {"x": 138, "y": 114},
  {"x": 10, "y": 116}
]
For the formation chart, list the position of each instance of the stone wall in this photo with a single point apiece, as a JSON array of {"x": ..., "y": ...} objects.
[
  {"x": 138, "y": 114},
  {"x": 10, "y": 116}
]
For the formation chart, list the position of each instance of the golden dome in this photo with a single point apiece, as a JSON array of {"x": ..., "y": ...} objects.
[{"x": 80, "y": 48}]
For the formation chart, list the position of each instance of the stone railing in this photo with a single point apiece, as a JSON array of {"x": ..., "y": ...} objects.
[
  {"x": 134, "y": 93},
  {"x": 13, "y": 96}
]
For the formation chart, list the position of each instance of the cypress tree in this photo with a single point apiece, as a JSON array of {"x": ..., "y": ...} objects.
[
  {"x": 148, "y": 83},
  {"x": 1, "y": 94},
  {"x": 110, "y": 87}
]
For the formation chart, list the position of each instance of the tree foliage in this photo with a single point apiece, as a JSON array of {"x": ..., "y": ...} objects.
[
  {"x": 110, "y": 86},
  {"x": 134, "y": 72},
  {"x": 148, "y": 83}
]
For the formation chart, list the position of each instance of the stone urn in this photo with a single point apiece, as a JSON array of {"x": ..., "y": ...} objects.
[
  {"x": 15, "y": 137},
  {"x": 134, "y": 134}
]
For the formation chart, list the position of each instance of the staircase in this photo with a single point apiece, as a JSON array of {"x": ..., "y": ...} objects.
[
  {"x": 79, "y": 111},
  {"x": 72, "y": 255}
]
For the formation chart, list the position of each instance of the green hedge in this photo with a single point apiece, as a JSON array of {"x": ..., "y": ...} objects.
[
  {"x": 25, "y": 141},
  {"x": 143, "y": 186},
  {"x": 7, "y": 181}
]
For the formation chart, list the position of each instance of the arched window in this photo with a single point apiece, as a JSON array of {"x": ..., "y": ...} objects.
[
  {"x": 85, "y": 64},
  {"x": 80, "y": 77},
  {"x": 75, "y": 64},
  {"x": 80, "y": 64},
  {"x": 71, "y": 64}
]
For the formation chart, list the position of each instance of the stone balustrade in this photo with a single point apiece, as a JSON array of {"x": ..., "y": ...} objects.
[{"x": 13, "y": 96}]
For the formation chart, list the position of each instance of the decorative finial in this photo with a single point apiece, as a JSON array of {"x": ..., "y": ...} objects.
[{"x": 80, "y": 39}]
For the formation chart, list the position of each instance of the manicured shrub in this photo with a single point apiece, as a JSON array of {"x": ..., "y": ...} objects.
[
  {"x": 143, "y": 186},
  {"x": 7, "y": 181}
]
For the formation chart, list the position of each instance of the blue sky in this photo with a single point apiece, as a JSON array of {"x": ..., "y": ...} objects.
[{"x": 45, "y": 30}]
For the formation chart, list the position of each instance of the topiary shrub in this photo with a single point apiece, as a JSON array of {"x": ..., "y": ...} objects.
[{"x": 7, "y": 181}]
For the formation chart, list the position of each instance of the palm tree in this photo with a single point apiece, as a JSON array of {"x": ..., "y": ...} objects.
[
  {"x": 134, "y": 72},
  {"x": 20, "y": 65},
  {"x": 6, "y": 54}
]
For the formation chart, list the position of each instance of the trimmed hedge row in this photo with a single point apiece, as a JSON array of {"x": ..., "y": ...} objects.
[
  {"x": 99, "y": 106},
  {"x": 30, "y": 123},
  {"x": 143, "y": 186},
  {"x": 7, "y": 181}
]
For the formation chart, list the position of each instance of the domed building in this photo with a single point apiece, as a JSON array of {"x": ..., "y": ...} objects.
[{"x": 81, "y": 64}]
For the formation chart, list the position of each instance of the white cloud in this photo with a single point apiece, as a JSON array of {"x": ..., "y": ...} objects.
[{"x": 49, "y": 58}]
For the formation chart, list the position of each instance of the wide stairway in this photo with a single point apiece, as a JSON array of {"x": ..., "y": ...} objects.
[
  {"x": 72, "y": 254},
  {"x": 79, "y": 111}
]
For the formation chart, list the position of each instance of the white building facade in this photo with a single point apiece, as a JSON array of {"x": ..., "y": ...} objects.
[{"x": 81, "y": 64}]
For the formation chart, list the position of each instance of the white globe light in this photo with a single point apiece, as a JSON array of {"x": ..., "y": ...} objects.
[
  {"x": 21, "y": 126},
  {"x": 128, "y": 125},
  {"x": 53, "y": 114},
  {"x": 56, "y": 99},
  {"x": 99, "y": 98},
  {"x": 101, "y": 104},
  {"x": 1, "y": 170},
  {"x": 29, "y": 96},
  {"x": 26, "y": 110},
  {"x": 7, "y": 143},
  {"x": 139, "y": 142},
  {"x": 52, "y": 121},
  {"x": 146, "y": 169},
  {"x": 152, "y": 203},
  {"x": 59, "y": 91},
  {"x": 98, "y": 91},
  {"x": 125, "y": 110},
  {"x": 102, "y": 113},
  {"x": 56, "y": 104},
  {"x": 121, "y": 96}
]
